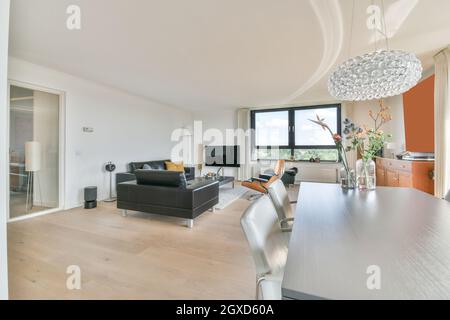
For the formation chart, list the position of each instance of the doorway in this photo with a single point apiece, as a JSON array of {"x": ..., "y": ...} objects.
[{"x": 35, "y": 157}]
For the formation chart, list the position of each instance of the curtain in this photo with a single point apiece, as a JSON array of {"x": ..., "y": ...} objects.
[
  {"x": 245, "y": 144},
  {"x": 442, "y": 123}
]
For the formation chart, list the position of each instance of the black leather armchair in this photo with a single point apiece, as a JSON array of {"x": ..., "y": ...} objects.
[
  {"x": 289, "y": 176},
  {"x": 167, "y": 193}
]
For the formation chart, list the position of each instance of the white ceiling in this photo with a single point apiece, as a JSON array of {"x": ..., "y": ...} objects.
[{"x": 216, "y": 54}]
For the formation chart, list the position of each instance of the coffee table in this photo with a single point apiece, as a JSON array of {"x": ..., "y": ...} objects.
[
  {"x": 222, "y": 180},
  {"x": 225, "y": 180}
]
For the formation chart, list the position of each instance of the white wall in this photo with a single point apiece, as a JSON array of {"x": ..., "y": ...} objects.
[
  {"x": 221, "y": 120},
  {"x": 396, "y": 127},
  {"x": 126, "y": 128},
  {"x": 4, "y": 170}
]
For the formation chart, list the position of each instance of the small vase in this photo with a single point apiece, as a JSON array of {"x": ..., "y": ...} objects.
[
  {"x": 366, "y": 175},
  {"x": 348, "y": 179}
]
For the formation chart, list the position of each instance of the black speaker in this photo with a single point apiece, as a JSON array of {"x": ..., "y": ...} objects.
[
  {"x": 110, "y": 167},
  {"x": 90, "y": 197}
]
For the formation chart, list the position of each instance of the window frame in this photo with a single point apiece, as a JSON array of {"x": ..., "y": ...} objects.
[
  {"x": 291, "y": 128},
  {"x": 253, "y": 127}
]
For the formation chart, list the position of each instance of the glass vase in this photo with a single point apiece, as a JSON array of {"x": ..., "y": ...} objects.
[
  {"x": 366, "y": 175},
  {"x": 348, "y": 179}
]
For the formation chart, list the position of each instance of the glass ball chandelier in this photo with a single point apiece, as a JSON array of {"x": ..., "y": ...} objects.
[{"x": 376, "y": 75}]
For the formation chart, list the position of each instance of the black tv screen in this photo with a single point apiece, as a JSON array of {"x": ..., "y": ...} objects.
[{"x": 222, "y": 156}]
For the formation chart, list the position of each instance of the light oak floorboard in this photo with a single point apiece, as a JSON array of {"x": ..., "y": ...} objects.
[{"x": 141, "y": 256}]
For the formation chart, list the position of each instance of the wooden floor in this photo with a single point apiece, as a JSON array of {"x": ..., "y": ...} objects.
[{"x": 138, "y": 257}]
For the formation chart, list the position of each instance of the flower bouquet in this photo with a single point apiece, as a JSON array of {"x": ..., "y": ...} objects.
[
  {"x": 368, "y": 142},
  {"x": 348, "y": 180}
]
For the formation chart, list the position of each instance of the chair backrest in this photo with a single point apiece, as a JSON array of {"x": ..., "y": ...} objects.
[
  {"x": 161, "y": 178},
  {"x": 280, "y": 167},
  {"x": 268, "y": 244},
  {"x": 447, "y": 196},
  {"x": 280, "y": 199}
]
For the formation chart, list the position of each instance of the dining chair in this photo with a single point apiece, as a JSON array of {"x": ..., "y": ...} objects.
[
  {"x": 447, "y": 196},
  {"x": 282, "y": 204},
  {"x": 268, "y": 245}
]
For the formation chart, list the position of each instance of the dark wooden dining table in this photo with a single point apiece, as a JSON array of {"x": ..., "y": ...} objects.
[{"x": 389, "y": 243}]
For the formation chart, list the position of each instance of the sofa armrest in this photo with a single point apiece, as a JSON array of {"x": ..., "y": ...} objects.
[
  {"x": 190, "y": 173},
  {"x": 205, "y": 193},
  {"x": 124, "y": 177}
]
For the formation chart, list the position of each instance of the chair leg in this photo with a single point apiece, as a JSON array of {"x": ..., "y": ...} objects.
[{"x": 258, "y": 281}]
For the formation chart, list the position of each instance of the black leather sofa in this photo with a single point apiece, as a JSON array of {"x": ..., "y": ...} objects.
[
  {"x": 155, "y": 165},
  {"x": 167, "y": 193}
]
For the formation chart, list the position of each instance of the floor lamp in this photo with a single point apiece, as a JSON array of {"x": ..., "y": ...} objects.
[
  {"x": 200, "y": 153},
  {"x": 33, "y": 154}
]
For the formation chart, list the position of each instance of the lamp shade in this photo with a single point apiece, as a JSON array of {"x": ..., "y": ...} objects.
[{"x": 33, "y": 154}]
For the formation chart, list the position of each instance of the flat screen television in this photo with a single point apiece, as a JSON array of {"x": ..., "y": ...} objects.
[{"x": 222, "y": 156}]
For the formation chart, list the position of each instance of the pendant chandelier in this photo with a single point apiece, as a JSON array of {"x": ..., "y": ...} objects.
[{"x": 376, "y": 75}]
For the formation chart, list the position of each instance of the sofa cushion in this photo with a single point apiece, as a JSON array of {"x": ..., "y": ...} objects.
[
  {"x": 160, "y": 178},
  {"x": 172, "y": 166},
  {"x": 155, "y": 165}
]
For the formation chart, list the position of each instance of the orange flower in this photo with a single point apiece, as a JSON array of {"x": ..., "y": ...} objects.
[{"x": 337, "y": 138}]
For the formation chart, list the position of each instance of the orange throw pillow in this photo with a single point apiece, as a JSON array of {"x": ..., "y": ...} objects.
[{"x": 172, "y": 166}]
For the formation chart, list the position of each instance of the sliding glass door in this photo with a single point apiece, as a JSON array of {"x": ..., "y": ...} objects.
[{"x": 34, "y": 151}]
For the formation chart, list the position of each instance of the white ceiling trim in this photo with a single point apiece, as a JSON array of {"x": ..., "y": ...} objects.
[{"x": 329, "y": 14}]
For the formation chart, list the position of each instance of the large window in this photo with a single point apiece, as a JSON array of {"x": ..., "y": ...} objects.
[
  {"x": 289, "y": 133},
  {"x": 272, "y": 128}
]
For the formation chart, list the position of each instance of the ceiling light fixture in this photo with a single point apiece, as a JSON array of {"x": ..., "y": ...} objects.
[{"x": 376, "y": 75}]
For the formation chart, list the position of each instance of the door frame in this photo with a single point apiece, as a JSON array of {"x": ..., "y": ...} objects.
[{"x": 62, "y": 147}]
